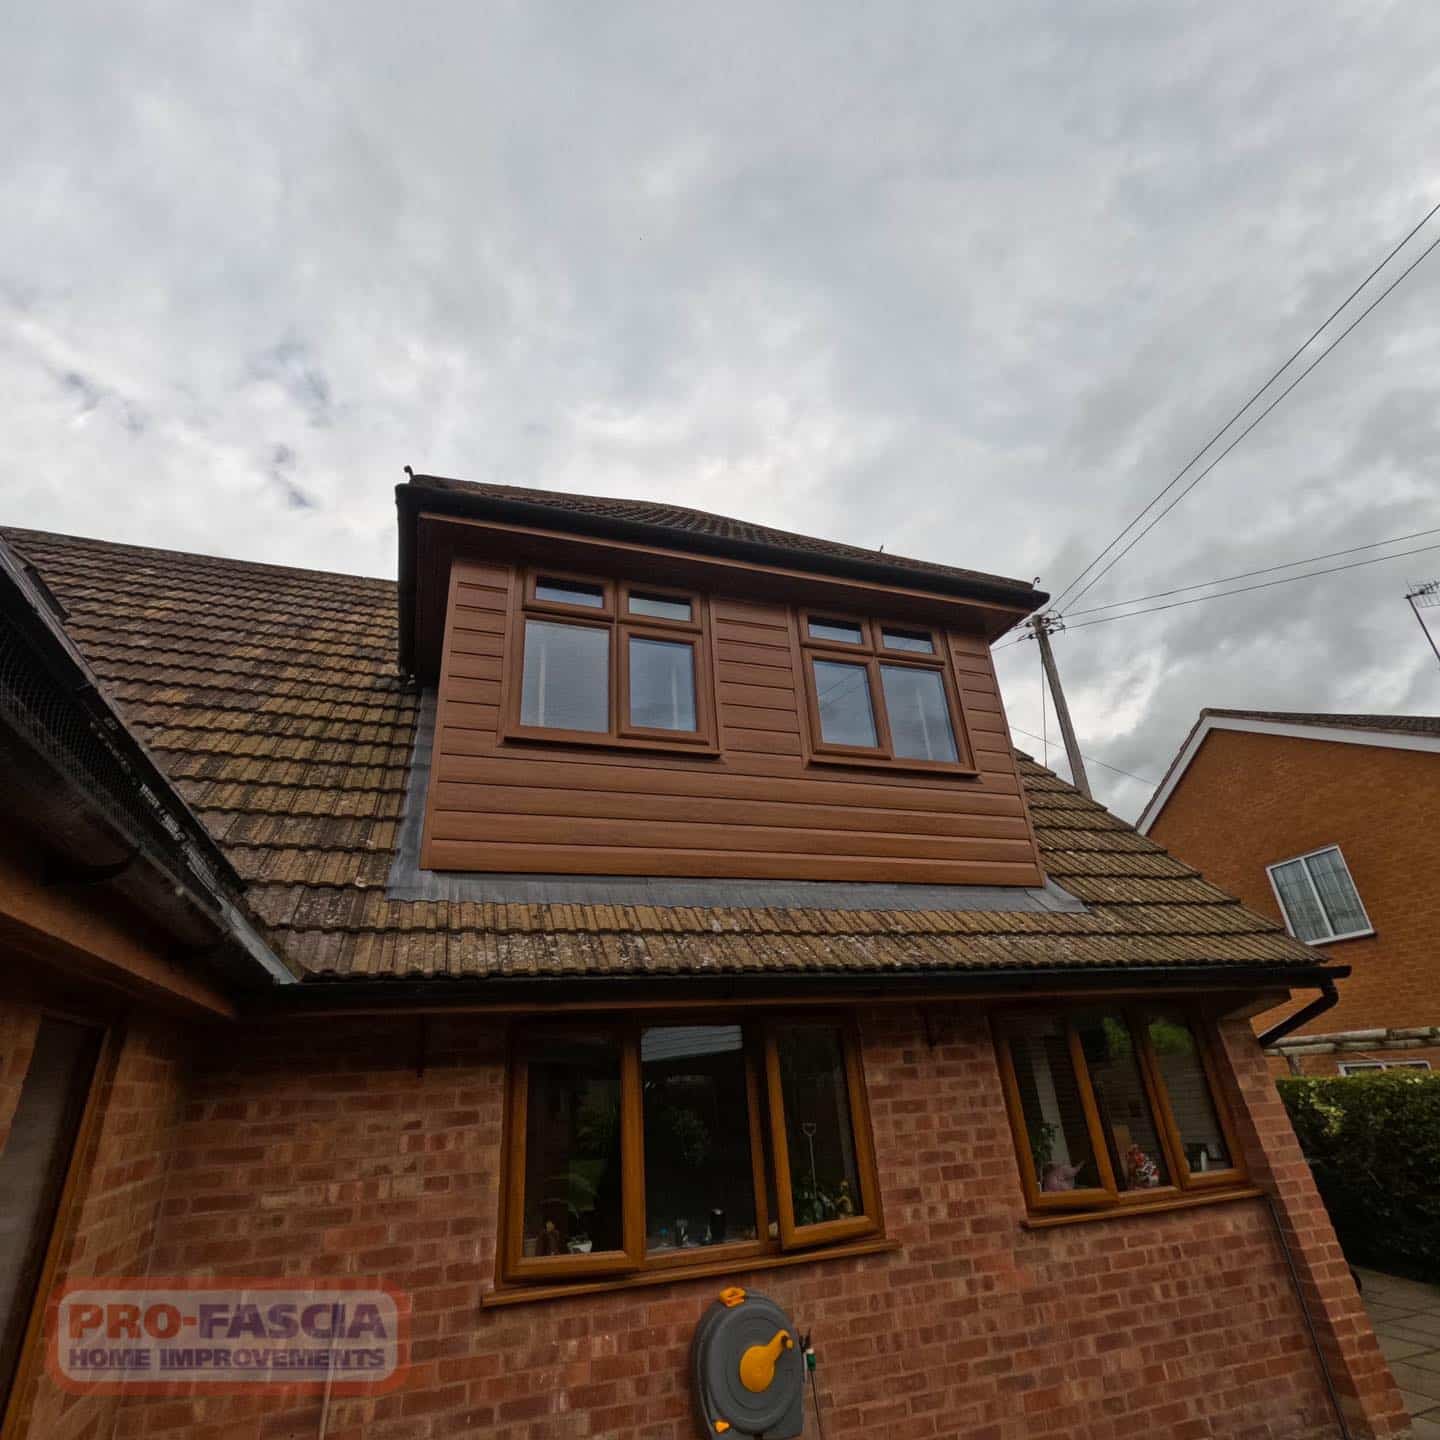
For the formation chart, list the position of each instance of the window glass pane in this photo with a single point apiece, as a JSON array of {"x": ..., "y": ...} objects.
[
  {"x": 919, "y": 717},
  {"x": 662, "y": 607},
  {"x": 1297, "y": 899},
  {"x": 915, "y": 640},
  {"x": 843, "y": 694},
  {"x": 662, "y": 684},
  {"x": 1126, "y": 1123},
  {"x": 1177, "y": 1053},
  {"x": 1337, "y": 892},
  {"x": 573, "y": 1201},
  {"x": 566, "y": 682},
  {"x": 845, "y": 631},
  {"x": 819, "y": 1133},
  {"x": 570, "y": 592},
  {"x": 1050, "y": 1099},
  {"x": 699, "y": 1184}
]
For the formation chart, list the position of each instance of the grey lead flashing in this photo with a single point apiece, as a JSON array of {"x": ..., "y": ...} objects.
[{"x": 407, "y": 881}]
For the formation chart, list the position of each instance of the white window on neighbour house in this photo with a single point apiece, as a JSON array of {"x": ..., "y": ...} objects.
[
  {"x": 1365, "y": 1067},
  {"x": 1319, "y": 898}
]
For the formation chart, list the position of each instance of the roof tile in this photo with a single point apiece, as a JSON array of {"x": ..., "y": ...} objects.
[{"x": 289, "y": 732}]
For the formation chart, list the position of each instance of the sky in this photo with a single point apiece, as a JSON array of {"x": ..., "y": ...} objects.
[{"x": 968, "y": 282}]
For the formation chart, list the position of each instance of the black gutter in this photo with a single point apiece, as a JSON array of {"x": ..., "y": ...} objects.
[
  {"x": 417, "y": 494},
  {"x": 1328, "y": 999},
  {"x": 56, "y": 720},
  {"x": 543, "y": 991}
]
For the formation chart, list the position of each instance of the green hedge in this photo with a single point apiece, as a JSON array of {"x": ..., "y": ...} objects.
[{"x": 1373, "y": 1141}]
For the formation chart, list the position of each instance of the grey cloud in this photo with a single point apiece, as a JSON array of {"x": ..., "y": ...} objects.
[{"x": 969, "y": 281}]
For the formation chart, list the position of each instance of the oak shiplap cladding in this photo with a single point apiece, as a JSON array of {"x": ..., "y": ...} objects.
[{"x": 757, "y": 810}]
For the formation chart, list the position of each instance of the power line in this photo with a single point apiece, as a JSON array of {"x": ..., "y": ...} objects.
[
  {"x": 1248, "y": 574},
  {"x": 1329, "y": 349},
  {"x": 1239, "y": 590},
  {"x": 1264, "y": 585},
  {"x": 1185, "y": 469},
  {"x": 1090, "y": 758}
]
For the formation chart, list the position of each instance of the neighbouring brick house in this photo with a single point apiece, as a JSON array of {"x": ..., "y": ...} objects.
[
  {"x": 1326, "y": 822},
  {"x": 675, "y": 913}
]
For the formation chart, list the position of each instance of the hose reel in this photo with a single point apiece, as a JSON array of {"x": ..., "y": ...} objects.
[{"x": 748, "y": 1368}]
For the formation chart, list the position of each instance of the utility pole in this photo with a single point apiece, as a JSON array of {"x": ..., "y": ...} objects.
[
  {"x": 1043, "y": 626},
  {"x": 1424, "y": 597}
]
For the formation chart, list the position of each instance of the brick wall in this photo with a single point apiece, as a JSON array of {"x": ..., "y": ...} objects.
[
  {"x": 334, "y": 1149},
  {"x": 1249, "y": 800}
]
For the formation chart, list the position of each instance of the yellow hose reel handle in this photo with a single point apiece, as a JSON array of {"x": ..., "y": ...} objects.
[{"x": 757, "y": 1364}]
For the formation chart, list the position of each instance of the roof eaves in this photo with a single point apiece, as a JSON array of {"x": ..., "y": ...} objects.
[{"x": 438, "y": 494}]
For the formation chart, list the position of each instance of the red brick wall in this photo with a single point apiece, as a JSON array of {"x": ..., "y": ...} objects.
[
  {"x": 1249, "y": 800},
  {"x": 319, "y": 1150},
  {"x": 123, "y": 1168}
]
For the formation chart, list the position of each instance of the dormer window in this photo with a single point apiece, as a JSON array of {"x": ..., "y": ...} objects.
[
  {"x": 880, "y": 693},
  {"x": 604, "y": 662}
]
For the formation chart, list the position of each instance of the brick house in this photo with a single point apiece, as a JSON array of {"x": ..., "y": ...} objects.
[
  {"x": 1339, "y": 817},
  {"x": 630, "y": 903}
]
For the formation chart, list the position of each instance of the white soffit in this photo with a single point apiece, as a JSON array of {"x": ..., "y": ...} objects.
[{"x": 1335, "y": 734}]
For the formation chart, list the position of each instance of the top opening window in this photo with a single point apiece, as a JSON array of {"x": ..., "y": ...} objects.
[
  {"x": 1319, "y": 898},
  {"x": 892, "y": 698},
  {"x": 549, "y": 591},
  {"x": 594, "y": 671},
  {"x": 916, "y": 642},
  {"x": 835, "y": 632},
  {"x": 660, "y": 607}
]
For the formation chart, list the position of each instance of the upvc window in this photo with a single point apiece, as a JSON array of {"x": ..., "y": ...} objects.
[
  {"x": 1362, "y": 1067},
  {"x": 1318, "y": 897},
  {"x": 602, "y": 662},
  {"x": 878, "y": 692},
  {"x": 1114, "y": 1105},
  {"x": 634, "y": 1147}
]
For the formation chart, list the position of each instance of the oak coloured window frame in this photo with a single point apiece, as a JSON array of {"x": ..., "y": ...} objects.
[
  {"x": 1108, "y": 1196},
  {"x": 769, "y": 1156},
  {"x": 613, "y": 616},
  {"x": 873, "y": 654}
]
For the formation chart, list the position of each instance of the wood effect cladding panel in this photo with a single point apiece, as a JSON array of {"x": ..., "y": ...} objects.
[{"x": 760, "y": 809}]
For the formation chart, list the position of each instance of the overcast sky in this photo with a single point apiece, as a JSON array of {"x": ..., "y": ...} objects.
[{"x": 971, "y": 282}]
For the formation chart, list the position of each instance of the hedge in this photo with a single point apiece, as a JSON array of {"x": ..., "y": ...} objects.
[{"x": 1373, "y": 1142}]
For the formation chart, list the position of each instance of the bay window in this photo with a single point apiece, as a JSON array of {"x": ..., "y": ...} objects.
[
  {"x": 1111, "y": 1105},
  {"x": 635, "y": 1146}
]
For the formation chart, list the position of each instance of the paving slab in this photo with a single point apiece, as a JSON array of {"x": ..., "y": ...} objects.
[{"x": 1406, "y": 1317}]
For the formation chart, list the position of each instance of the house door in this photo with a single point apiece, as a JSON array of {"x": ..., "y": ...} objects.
[{"x": 33, "y": 1167}]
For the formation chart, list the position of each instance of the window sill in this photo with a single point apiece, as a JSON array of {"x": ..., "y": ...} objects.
[
  {"x": 674, "y": 1274},
  {"x": 1341, "y": 939},
  {"x": 1120, "y": 1212},
  {"x": 701, "y": 749},
  {"x": 909, "y": 767}
]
